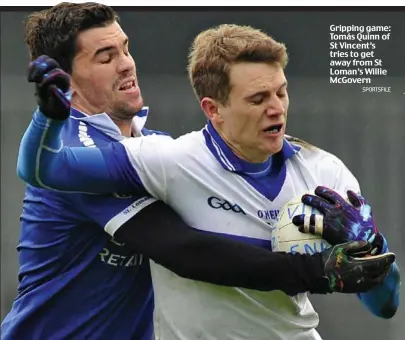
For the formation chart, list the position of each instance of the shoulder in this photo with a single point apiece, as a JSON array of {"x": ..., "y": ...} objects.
[
  {"x": 327, "y": 169},
  {"x": 314, "y": 155},
  {"x": 148, "y": 132},
  {"x": 162, "y": 145},
  {"x": 78, "y": 133}
]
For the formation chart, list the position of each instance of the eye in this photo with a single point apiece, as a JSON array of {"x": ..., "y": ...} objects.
[
  {"x": 282, "y": 95},
  {"x": 257, "y": 101},
  {"x": 105, "y": 59}
]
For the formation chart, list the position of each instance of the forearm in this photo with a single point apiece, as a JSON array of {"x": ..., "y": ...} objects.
[
  {"x": 42, "y": 138},
  {"x": 383, "y": 300},
  {"x": 44, "y": 162},
  {"x": 159, "y": 233}
]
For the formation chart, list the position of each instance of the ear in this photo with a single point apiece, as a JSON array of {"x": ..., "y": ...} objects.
[{"x": 211, "y": 109}]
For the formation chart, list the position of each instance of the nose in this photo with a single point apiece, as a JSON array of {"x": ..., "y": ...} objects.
[
  {"x": 126, "y": 64},
  {"x": 275, "y": 106}
]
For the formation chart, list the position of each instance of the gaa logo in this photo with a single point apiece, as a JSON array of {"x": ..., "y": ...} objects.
[{"x": 217, "y": 203}]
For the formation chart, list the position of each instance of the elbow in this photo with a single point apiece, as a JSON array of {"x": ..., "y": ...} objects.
[
  {"x": 388, "y": 308},
  {"x": 26, "y": 164},
  {"x": 25, "y": 174},
  {"x": 387, "y": 312},
  {"x": 390, "y": 314},
  {"x": 391, "y": 286},
  {"x": 28, "y": 178}
]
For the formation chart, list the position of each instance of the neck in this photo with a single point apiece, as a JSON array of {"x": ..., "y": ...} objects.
[
  {"x": 247, "y": 154},
  {"x": 125, "y": 125}
]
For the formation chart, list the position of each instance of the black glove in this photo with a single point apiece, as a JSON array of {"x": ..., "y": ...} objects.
[
  {"x": 349, "y": 268},
  {"x": 52, "y": 86}
]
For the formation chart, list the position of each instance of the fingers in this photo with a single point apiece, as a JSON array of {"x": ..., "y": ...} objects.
[
  {"x": 356, "y": 248},
  {"x": 366, "y": 283},
  {"x": 56, "y": 77},
  {"x": 356, "y": 200},
  {"x": 374, "y": 273},
  {"x": 310, "y": 224},
  {"x": 299, "y": 220},
  {"x": 330, "y": 195},
  {"x": 371, "y": 271},
  {"x": 378, "y": 280},
  {"x": 381, "y": 260},
  {"x": 317, "y": 203},
  {"x": 53, "y": 87},
  {"x": 58, "y": 96},
  {"x": 374, "y": 267},
  {"x": 39, "y": 67}
]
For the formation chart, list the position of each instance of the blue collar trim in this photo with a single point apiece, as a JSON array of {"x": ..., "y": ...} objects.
[
  {"x": 231, "y": 162},
  {"x": 104, "y": 123}
]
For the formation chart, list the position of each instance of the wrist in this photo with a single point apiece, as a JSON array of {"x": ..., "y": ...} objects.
[
  {"x": 40, "y": 118},
  {"x": 320, "y": 283},
  {"x": 45, "y": 117}
]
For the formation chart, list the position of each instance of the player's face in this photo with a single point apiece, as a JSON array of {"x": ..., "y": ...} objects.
[
  {"x": 104, "y": 74},
  {"x": 255, "y": 116}
]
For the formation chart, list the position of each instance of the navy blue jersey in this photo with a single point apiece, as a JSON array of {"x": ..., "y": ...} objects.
[{"x": 75, "y": 280}]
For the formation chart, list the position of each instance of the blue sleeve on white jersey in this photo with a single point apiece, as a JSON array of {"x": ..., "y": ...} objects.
[
  {"x": 44, "y": 162},
  {"x": 383, "y": 300}
]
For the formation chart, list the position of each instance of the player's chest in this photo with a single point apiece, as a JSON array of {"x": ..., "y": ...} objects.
[{"x": 221, "y": 201}]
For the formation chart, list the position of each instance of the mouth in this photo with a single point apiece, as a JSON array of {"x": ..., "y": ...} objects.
[
  {"x": 274, "y": 129},
  {"x": 128, "y": 86}
]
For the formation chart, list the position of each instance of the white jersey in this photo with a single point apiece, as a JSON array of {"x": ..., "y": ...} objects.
[{"x": 214, "y": 191}]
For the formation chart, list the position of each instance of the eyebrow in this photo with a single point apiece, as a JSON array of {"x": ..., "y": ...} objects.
[
  {"x": 265, "y": 92},
  {"x": 108, "y": 48}
]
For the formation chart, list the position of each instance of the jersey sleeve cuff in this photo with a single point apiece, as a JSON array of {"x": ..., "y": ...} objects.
[{"x": 125, "y": 215}]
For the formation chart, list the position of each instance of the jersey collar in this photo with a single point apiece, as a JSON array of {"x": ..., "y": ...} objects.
[
  {"x": 229, "y": 161},
  {"x": 104, "y": 123}
]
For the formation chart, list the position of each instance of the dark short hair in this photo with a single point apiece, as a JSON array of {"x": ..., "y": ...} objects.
[{"x": 54, "y": 31}]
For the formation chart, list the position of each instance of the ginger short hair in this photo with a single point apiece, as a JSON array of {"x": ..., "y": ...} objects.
[
  {"x": 54, "y": 31},
  {"x": 215, "y": 50}
]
